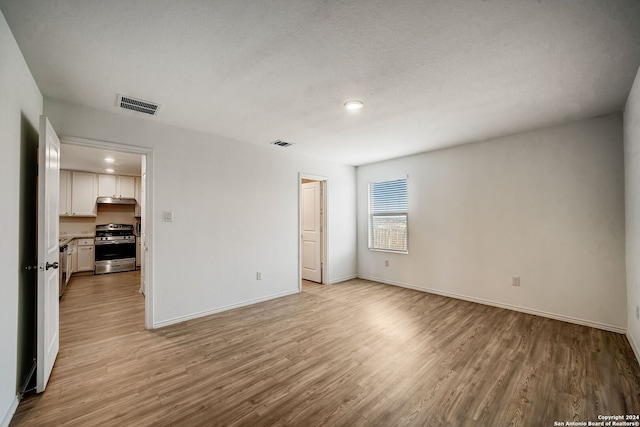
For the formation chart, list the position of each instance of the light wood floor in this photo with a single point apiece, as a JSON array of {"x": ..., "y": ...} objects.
[{"x": 353, "y": 354}]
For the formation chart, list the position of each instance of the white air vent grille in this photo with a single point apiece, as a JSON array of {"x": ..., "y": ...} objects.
[
  {"x": 138, "y": 105},
  {"x": 281, "y": 143}
]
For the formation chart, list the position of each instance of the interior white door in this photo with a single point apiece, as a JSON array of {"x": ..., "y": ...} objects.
[
  {"x": 48, "y": 252},
  {"x": 311, "y": 234}
]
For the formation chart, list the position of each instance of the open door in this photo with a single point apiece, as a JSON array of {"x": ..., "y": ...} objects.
[
  {"x": 312, "y": 231},
  {"x": 48, "y": 252}
]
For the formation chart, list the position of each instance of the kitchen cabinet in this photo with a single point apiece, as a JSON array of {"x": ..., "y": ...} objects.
[
  {"x": 138, "y": 195},
  {"x": 84, "y": 191},
  {"x": 126, "y": 186},
  {"x": 116, "y": 186},
  {"x": 72, "y": 250},
  {"x": 65, "y": 193},
  {"x": 106, "y": 186},
  {"x": 138, "y": 251},
  {"x": 85, "y": 250}
]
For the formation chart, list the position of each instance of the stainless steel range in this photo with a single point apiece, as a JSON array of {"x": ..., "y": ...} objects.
[{"x": 115, "y": 248}]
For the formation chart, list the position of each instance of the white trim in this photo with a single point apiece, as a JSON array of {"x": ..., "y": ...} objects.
[
  {"x": 554, "y": 316},
  {"x": 634, "y": 346},
  {"x": 94, "y": 143},
  {"x": 10, "y": 412},
  {"x": 342, "y": 279},
  {"x": 324, "y": 184},
  {"x": 148, "y": 153},
  {"x": 199, "y": 314}
]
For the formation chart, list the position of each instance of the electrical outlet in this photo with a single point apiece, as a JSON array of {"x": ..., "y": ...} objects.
[
  {"x": 637, "y": 313},
  {"x": 259, "y": 275},
  {"x": 515, "y": 281},
  {"x": 386, "y": 263}
]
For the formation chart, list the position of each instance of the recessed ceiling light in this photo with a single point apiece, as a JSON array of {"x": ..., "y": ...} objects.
[
  {"x": 110, "y": 170},
  {"x": 110, "y": 160},
  {"x": 353, "y": 105}
]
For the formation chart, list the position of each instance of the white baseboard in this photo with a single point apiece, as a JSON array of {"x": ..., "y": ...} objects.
[
  {"x": 9, "y": 415},
  {"x": 342, "y": 279},
  {"x": 634, "y": 346},
  {"x": 181, "y": 319},
  {"x": 578, "y": 321}
]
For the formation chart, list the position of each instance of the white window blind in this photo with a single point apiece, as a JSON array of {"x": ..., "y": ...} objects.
[{"x": 388, "y": 209}]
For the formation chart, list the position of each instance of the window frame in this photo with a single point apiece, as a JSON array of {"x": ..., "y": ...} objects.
[{"x": 390, "y": 213}]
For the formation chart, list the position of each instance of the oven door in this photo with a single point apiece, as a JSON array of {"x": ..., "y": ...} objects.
[
  {"x": 114, "y": 257},
  {"x": 107, "y": 251}
]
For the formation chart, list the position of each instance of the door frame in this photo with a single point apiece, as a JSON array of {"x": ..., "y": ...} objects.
[
  {"x": 324, "y": 184},
  {"x": 148, "y": 208}
]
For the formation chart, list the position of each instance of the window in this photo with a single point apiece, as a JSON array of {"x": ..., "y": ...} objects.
[{"x": 388, "y": 216}]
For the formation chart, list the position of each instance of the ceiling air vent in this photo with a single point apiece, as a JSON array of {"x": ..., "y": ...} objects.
[
  {"x": 281, "y": 143},
  {"x": 129, "y": 103}
]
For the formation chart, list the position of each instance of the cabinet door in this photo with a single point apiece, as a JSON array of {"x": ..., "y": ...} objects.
[
  {"x": 65, "y": 193},
  {"x": 85, "y": 258},
  {"x": 126, "y": 186},
  {"x": 138, "y": 190},
  {"x": 84, "y": 189},
  {"x": 138, "y": 253},
  {"x": 73, "y": 251},
  {"x": 107, "y": 186}
]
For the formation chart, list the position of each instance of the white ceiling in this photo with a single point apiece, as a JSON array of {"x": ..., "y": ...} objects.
[
  {"x": 87, "y": 159},
  {"x": 431, "y": 73}
]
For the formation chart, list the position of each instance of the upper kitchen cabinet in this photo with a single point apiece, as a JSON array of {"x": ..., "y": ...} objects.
[
  {"x": 65, "y": 192},
  {"x": 138, "y": 194},
  {"x": 78, "y": 192},
  {"x": 126, "y": 186},
  {"x": 84, "y": 191},
  {"x": 106, "y": 186},
  {"x": 116, "y": 186}
]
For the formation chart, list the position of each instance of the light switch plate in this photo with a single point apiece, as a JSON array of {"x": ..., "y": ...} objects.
[{"x": 168, "y": 216}]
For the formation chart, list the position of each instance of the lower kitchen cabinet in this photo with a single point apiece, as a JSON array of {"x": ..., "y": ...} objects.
[
  {"x": 73, "y": 253},
  {"x": 85, "y": 252}
]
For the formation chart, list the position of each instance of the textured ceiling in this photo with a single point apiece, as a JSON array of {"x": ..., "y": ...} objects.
[{"x": 431, "y": 73}]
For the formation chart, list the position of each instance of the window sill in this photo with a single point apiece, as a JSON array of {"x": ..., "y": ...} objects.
[{"x": 389, "y": 251}]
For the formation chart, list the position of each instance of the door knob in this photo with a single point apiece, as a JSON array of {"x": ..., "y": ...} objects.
[{"x": 49, "y": 265}]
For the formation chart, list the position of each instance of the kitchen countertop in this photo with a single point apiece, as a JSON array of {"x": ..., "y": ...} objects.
[{"x": 67, "y": 238}]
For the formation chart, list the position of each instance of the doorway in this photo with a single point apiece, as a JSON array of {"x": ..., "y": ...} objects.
[
  {"x": 313, "y": 220},
  {"x": 146, "y": 224}
]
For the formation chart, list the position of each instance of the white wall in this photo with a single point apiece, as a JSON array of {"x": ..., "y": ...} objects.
[
  {"x": 632, "y": 199},
  {"x": 20, "y": 99},
  {"x": 547, "y": 206},
  {"x": 235, "y": 209}
]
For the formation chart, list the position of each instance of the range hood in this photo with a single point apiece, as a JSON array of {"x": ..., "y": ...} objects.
[{"x": 115, "y": 201}]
